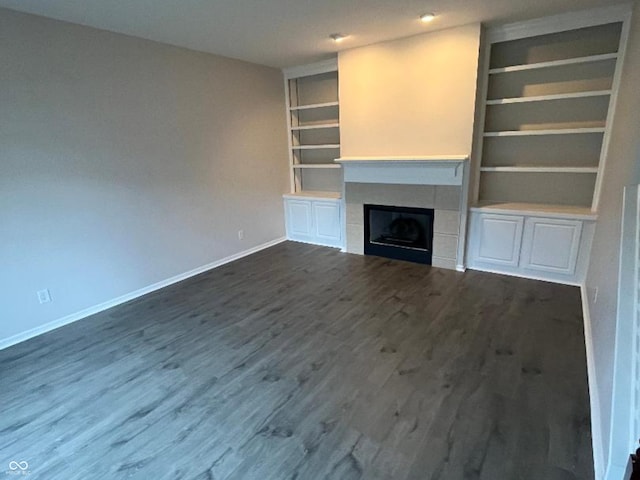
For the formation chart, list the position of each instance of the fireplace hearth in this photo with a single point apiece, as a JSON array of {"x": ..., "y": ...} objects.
[{"x": 402, "y": 233}]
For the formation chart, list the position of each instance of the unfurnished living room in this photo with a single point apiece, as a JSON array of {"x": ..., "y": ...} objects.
[{"x": 328, "y": 239}]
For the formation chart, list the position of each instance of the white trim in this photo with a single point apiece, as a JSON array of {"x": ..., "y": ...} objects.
[
  {"x": 530, "y": 276},
  {"x": 559, "y": 23},
  {"x": 623, "y": 434},
  {"x": 287, "y": 104},
  {"x": 549, "y": 98},
  {"x": 315, "y": 165},
  {"x": 312, "y": 195},
  {"x": 551, "y": 131},
  {"x": 326, "y": 66},
  {"x": 87, "y": 312},
  {"x": 554, "y": 63},
  {"x": 440, "y": 170},
  {"x": 611, "y": 111},
  {"x": 464, "y": 214},
  {"x": 405, "y": 159},
  {"x": 536, "y": 210},
  {"x": 321, "y": 126},
  {"x": 524, "y": 169},
  {"x": 314, "y": 106},
  {"x": 594, "y": 398}
]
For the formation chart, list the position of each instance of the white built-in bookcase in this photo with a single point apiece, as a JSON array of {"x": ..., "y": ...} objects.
[
  {"x": 314, "y": 206},
  {"x": 313, "y": 116},
  {"x": 549, "y": 96},
  {"x": 547, "y": 100}
]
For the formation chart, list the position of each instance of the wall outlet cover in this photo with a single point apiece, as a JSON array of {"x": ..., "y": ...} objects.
[{"x": 44, "y": 296}]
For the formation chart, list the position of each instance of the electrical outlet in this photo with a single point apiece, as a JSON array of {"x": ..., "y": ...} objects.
[
  {"x": 240, "y": 234},
  {"x": 44, "y": 296}
]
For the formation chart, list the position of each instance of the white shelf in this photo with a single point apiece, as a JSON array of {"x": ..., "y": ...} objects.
[
  {"x": 417, "y": 158},
  {"x": 314, "y": 195},
  {"x": 314, "y": 106},
  {"x": 316, "y": 165},
  {"x": 320, "y": 126},
  {"x": 557, "y": 131},
  {"x": 543, "y": 98},
  {"x": 316, "y": 147},
  {"x": 536, "y": 209},
  {"x": 514, "y": 169},
  {"x": 555, "y": 63}
]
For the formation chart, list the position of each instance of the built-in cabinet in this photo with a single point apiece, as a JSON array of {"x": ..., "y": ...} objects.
[
  {"x": 314, "y": 219},
  {"x": 551, "y": 245},
  {"x": 313, "y": 208},
  {"x": 529, "y": 245},
  {"x": 548, "y": 97},
  {"x": 499, "y": 239}
]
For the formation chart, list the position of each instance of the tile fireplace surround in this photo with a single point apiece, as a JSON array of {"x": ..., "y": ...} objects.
[{"x": 424, "y": 182}]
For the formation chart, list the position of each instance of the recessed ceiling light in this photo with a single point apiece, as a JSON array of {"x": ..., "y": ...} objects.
[
  {"x": 427, "y": 17},
  {"x": 337, "y": 37}
]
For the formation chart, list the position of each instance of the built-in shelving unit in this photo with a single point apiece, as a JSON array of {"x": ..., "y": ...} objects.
[
  {"x": 548, "y": 104},
  {"x": 548, "y": 96},
  {"x": 313, "y": 112},
  {"x": 313, "y": 208}
]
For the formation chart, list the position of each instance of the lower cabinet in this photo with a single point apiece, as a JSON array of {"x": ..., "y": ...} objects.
[
  {"x": 551, "y": 245},
  {"x": 499, "y": 239},
  {"x": 529, "y": 246},
  {"x": 316, "y": 221}
]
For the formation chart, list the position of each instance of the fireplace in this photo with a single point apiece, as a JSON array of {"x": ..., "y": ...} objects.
[{"x": 402, "y": 233}]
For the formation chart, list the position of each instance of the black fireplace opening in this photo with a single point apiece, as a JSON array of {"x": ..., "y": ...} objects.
[{"x": 402, "y": 233}]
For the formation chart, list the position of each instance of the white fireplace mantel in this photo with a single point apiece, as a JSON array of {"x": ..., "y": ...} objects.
[{"x": 414, "y": 170}]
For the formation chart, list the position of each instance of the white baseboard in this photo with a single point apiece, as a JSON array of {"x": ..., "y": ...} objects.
[
  {"x": 74, "y": 317},
  {"x": 594, "y": 398},
  {"x": 522, "y": 275}
]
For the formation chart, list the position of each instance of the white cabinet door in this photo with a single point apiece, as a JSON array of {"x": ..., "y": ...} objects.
[
  {"x": 326, "y": 216},
  {"x": 299, "y": 219},
  {"x": 314, "y": 221},
  {"x": 551, "y": 245},
  {"x": 499, "y": 239}
]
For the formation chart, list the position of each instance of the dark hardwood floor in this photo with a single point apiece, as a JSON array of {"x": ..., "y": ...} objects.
[{"x": 300, "y": 362}]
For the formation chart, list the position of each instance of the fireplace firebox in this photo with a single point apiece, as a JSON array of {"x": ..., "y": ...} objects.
[{"x": 402, "y": 233}]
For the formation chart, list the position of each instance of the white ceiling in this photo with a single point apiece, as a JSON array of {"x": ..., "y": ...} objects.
[{"x": 286, "y": 32}]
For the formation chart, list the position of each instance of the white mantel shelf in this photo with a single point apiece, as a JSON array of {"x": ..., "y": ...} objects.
[{"x": 408, "y": 170}]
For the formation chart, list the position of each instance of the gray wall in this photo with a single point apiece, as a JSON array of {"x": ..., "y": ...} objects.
[
  {"x": 621, "y": 170},
  {"x": 124, "y": 162}
]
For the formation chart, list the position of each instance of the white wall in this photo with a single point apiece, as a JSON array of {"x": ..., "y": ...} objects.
[
  {"x": 413, "y": 96},
  {"x": 124, "y": 162},
  {"x": 621, "y": 170}
]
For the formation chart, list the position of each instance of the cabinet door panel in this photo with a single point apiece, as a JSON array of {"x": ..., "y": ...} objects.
[
  {"x": 551, "y": 245},
  {"x": 327, "y": 220},
  {"x": 299, "y": 221},
  {"x": 499, "y": 239}
]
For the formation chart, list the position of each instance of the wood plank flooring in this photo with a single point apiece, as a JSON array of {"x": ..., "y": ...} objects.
[{"x": 300, "y": 362}]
